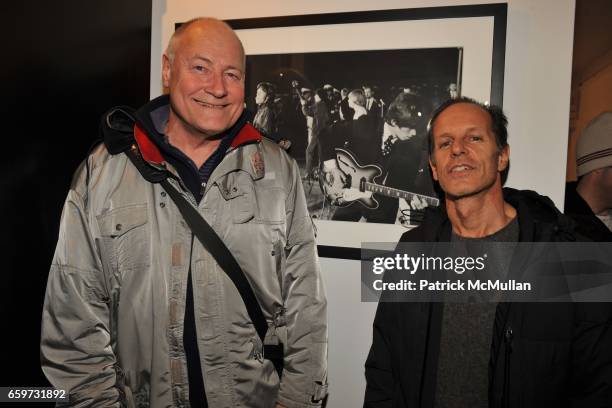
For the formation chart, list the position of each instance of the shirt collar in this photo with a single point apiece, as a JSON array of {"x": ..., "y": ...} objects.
[
  {"x": 159, "y": 115},
  {"x": 152, "y": 119}
]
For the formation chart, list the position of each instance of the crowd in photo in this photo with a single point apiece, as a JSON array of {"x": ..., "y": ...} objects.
[{"x": 385, "y": 128}]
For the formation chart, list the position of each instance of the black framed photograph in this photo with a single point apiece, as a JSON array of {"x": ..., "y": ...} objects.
[{"x": 349, "y": 95}]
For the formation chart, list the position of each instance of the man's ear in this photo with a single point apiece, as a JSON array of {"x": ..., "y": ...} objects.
[
  {"x": 434, "y": 171},
  {"x": 503, "y": 159},
  {"x": 166, "y": 69}
]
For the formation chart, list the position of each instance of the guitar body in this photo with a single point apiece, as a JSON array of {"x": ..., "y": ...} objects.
[
  {"x": 358, "y": 183},
  {"x": 356, "y": 176}
]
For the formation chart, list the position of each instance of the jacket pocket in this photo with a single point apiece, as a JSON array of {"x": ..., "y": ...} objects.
[
  {"x": 125, "y": 236},
  {"x": 242, "y": 205},
  {"x": 250, "y": 202},
  {"x": 238, "y": 195}
]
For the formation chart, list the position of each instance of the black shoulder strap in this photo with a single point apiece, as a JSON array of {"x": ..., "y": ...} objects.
[
  {"x": 117, "y": 129},
  {"x": 211, "y": 241}
]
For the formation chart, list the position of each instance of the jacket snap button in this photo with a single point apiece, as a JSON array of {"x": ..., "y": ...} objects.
[
  {"x": 234, "y": 189},
  {"x": 118, "y": 227},
  {"x": 163, "y": 193},
  {"x": 162, "y": 205}
]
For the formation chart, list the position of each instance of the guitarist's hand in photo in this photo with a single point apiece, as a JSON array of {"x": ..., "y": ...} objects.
[
  {"x": 334, "y": 181},
  {"x": 418, "y": 203}
]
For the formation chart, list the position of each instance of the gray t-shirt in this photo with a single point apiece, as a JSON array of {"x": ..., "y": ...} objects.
[{"x": 465, "y": 342}]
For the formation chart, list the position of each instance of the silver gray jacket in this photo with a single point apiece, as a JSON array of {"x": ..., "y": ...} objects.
[{"x": 112, "y": 322}]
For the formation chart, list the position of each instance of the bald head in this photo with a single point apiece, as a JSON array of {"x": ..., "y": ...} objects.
[{"x": 202, "y": 26}]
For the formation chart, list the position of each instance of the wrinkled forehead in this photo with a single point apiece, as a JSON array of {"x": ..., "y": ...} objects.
[{"x": 462, "y": 116}]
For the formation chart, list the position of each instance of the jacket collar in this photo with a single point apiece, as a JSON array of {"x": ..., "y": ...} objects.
[
  {"x": 538, "y": 218},
  {"x": 150, "y": 152},
  {"x": 148, "y": 139},
  {"x": 148, "y": 149}
]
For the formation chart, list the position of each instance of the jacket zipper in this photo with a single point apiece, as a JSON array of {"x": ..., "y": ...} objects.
[{"x": 508, "y": 334}]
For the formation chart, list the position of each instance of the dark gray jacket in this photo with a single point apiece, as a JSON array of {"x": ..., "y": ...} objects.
[{"x": 544, "y": 355}]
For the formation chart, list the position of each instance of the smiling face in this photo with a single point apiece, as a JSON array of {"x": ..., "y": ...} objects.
[
  {"x": 465, "y": 159},
  {"x": 205, "y": 78}
]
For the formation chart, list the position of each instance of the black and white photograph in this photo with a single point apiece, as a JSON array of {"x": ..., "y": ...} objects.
[
  {"x": 348, "y": 95},
  {"x": 355, "y": 121}
]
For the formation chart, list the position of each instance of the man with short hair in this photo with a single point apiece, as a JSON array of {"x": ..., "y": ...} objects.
[
  {"x": 137, "y": 310},
  {"x": 266, "y": 117},
  {"x": 367, "y": 142},
  {"x": 589, "y": 200},
  {"x": 357, "y": 102},
  {"x": 372, "y": 104},
  {"x": 404, "y": 144},
  {"x": 487, "y": 354}
]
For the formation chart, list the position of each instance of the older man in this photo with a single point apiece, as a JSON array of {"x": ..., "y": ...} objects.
[
  {"x": 138, "y": 312},
  {"x": 487, "y": 354}
]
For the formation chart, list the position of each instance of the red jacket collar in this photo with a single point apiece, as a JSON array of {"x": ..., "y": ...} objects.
[
  {"x": 248, "y": 134},
  {"x": 147, "y": 148},
  {"x": 150, "y": 152}
]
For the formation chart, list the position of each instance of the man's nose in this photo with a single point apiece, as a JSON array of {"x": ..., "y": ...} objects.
[
  {"x": 216, "y": 86},
  {"x": 458, "y": 147}
]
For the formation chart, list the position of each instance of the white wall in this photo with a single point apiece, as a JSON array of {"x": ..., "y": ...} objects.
[{"x": 536, "y": 100}]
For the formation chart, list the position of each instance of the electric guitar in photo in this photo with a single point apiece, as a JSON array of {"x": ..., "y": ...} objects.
[{"x": 360, "y": 184}]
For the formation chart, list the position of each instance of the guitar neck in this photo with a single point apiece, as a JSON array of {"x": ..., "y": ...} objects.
[{"x": 394, "y": 192}]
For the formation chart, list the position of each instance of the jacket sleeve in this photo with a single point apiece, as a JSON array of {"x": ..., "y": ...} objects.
[
  {"x": 592, "y": 356},
  {"x": 76, "y": 353},
  {"x": 304, "y": 379},
  {"x": 378, "y": 374}
]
